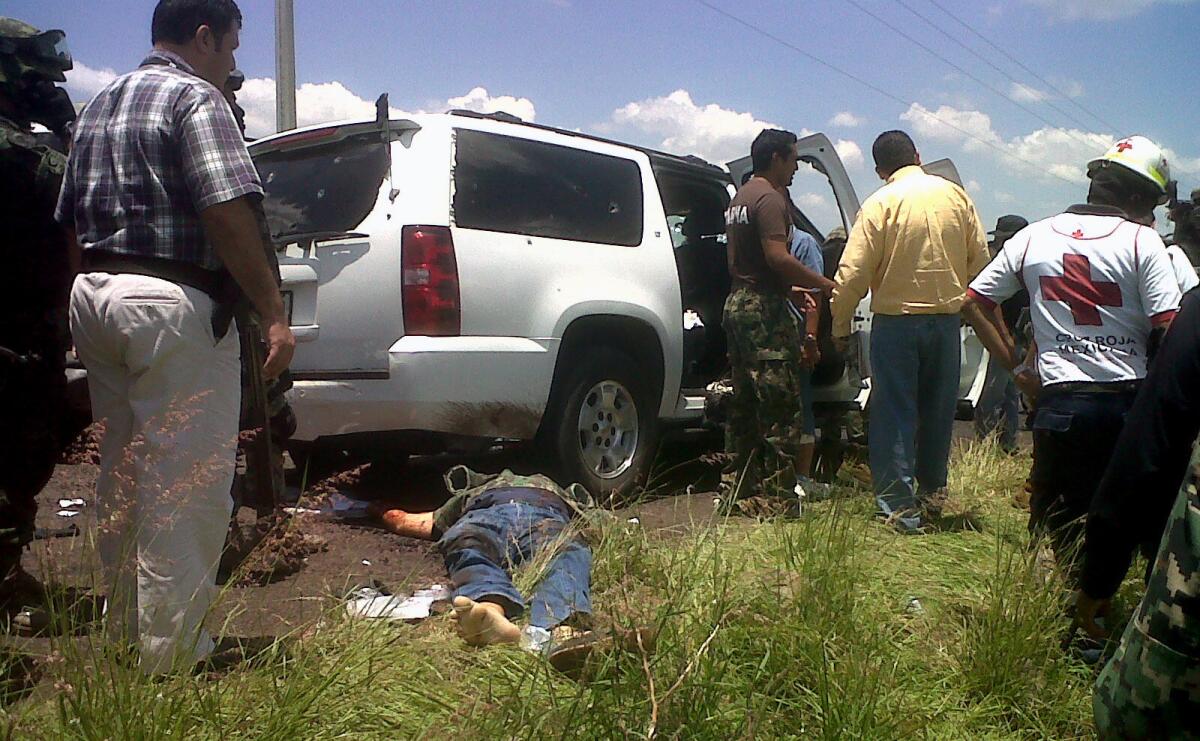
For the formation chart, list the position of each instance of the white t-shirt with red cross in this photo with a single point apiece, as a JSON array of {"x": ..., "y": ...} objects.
[{"x": 1097, "y": 283}]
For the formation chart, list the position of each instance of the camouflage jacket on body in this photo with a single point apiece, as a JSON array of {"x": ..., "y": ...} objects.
[
  {"x": 465, "y": 484},
  {"x": 34, "y": 281},
  {"x": 1151, "y": 688}
]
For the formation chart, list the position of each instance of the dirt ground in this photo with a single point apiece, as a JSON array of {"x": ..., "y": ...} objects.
[
  {"x": 349, "y": 555},
  {"x": 353, "y": 555}
]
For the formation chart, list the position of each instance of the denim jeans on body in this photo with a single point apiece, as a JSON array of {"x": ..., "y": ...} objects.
[
  {"x": 914, "y": 390},
  {"x": 499, "y": 533},
  {"x": 999, "y": 406}
]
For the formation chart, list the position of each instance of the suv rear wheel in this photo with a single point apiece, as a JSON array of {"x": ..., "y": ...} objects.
[{"x": 604, "y": 423}]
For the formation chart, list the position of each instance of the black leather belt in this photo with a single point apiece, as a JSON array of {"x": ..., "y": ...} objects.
[
  {"x": 1090, "y": 387},
  {"x": 175, "y": 271},
  {"x": 217, "y": 284}
]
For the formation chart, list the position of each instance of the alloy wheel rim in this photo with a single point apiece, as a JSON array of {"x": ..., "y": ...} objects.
[{"x": 608, "y": 429}]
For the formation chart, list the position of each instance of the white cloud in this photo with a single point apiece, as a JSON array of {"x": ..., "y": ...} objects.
[
  {"x": 83, "y": 82},
  {"x": 1068, "y": 87},
  {"x": 333, "y": 101},
  {"x": 971, "y": 129},
  {"x": 850, "y": 153},
  {"x": 848, "y": 119},
  {"x": 1097, "y": 10},
  {"x": 973, "y": 186},
  {"x": 812, "y": 201},
  {"x": 1003, "y": 197},
  {"x": 681, "y": 126},
  {"x": 1026, "y": 94},
  {"x": 1181, "y": 165},
  {"x": 479, "y": 100},
  {"x": 1046, "y": 152}
]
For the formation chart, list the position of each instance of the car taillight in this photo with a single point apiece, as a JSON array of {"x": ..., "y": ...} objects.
[{"x": 430, "y": 282}]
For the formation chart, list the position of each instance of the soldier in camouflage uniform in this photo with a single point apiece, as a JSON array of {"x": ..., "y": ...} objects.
[
  {"x": 33, "y": 291},
  {"x": 1151, "y": 687},
  {"x": 765, "y": 420},
  {"x": 765, "y": 417}
]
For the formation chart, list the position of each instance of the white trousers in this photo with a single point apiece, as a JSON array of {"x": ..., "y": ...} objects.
[{"x": 168, "y": 396}]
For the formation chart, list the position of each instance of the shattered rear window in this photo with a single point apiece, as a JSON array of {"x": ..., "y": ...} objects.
[{"x": 323, "y": 188}]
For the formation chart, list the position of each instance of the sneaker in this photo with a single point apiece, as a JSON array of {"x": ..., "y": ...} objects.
[
  {"x": 812, "y": 491},
  {"x": 571, "y": 655},
  {"x": 904, "y": 521}
]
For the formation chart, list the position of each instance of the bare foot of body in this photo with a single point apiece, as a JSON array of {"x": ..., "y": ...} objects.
[{"x": 484, "y": 623}]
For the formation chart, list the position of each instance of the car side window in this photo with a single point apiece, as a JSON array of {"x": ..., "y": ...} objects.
[{"x": 518, "y": 186}]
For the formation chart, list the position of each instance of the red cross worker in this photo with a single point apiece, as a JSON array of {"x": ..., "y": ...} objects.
[{"x": 1101, "y": 290}]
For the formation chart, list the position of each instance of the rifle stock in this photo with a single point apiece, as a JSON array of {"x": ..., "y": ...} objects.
[{"x": 262, "y": 446}]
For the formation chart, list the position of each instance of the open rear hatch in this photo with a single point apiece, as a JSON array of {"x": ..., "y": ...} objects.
[{"x": 322, "y": 191}]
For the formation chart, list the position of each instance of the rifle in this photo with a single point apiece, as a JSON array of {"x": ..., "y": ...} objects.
[{"x": 262, "y": 446}]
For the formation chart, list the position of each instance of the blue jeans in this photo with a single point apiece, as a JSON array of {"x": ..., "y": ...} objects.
[
  {"x": 999, "y": 406},
  {"x": 504, "y": 529},
  {"x": 914, "y": 390}
]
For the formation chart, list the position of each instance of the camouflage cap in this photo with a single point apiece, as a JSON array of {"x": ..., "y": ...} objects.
[{"x": 24, "y": 50}]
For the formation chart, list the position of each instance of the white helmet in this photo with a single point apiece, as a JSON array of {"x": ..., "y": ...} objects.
[{"x": 1141, "y": 156}]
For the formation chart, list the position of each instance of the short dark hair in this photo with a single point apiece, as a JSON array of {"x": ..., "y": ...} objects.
[
  {"x": 893, "y": 150},
  {"x": 1116, "y": 185},
  {"x": 767, "y": 144},
  {"x": 176, "y": 21}
]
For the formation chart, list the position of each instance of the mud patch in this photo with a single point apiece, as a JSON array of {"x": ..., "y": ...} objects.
[
  {"x": 276, "y": 554},
  {"x": 85, "y": 448},
  {"x": 493, "y": 419},
  {"x": 318, "y": 493}
]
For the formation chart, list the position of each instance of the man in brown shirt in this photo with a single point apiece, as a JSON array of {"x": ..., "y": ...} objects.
[{"x": 765, "y": 414}]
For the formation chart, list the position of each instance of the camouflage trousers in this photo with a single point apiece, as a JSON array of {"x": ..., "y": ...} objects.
[
  {"x": 1151, "y": 687},
  {"x": 29, "y": 411},
  {"x": 766, "y": 417}
]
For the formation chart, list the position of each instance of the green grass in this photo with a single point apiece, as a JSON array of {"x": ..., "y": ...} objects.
[{"x": 801, "y": 629}]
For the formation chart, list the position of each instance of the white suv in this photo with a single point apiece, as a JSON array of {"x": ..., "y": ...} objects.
[{"x": 458, "y": 277}]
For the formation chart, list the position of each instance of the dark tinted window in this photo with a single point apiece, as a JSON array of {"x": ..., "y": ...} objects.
[
  {"x": 322, "y": 188},
  {"x": 506, "y": 184}
]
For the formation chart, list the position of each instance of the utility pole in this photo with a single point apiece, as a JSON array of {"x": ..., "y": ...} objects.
[{"x": 285, "y": 66}]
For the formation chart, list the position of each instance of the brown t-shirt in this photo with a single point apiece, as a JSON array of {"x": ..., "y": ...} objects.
[{"x": 758, "y": 211}]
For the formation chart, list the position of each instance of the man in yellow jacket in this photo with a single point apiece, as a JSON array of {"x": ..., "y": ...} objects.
[{"x": 916, "y": 245}]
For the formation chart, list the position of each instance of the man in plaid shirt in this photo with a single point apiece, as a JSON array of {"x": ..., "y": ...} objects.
[{"x": 157, "y": 191}]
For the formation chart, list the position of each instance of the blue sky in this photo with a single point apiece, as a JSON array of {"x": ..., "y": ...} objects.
[{"x": 680, "y": 76}]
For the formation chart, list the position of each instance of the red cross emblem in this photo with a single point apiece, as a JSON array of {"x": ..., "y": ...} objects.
[
  {"x": 1077, "y": 289},
  {"x": 1124, "y": 145}
]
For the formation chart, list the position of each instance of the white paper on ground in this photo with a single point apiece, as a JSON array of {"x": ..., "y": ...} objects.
[
  {"x": 341, "y": 507},
  {"x": 372, "y": 604},
  {"x": 301, "y": 511},
  {"x": 67, "y": 503},
  {"x": 67, "y": 512}
]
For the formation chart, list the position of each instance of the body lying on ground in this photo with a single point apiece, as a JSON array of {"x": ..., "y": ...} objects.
[{"x": 494, "y": 523}]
